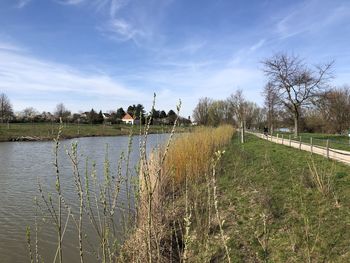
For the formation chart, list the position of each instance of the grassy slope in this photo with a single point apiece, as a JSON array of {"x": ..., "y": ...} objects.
[
  {"x": 261, "y": 179},
  {"x": 47, "y": 131}
]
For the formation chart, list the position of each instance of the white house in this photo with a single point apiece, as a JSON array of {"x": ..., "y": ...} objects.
[{"x": 127, "y": 119}]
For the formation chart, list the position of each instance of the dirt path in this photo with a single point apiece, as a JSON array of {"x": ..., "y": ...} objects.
[{"x": 338, "y": 155}]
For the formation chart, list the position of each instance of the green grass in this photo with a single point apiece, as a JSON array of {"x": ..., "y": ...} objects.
[
  {"x": 262, "y": 182},
  {"x": 340, "y": 142},
  {"x": 47, "y": 131}
]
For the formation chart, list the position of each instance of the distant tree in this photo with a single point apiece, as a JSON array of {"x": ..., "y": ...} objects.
[
  {"x": 120, "y": 113},
  {"x": 239, "y": 108},
  {"x": 131, "y": 110},
  {"x": 334, "y": 107},
  {"x": 271, "y": 103},
  {"x": 29, "y": 113},
  {"x": 216, "y": 113},
  {"x": 140, "y": 112},
  {"x": 92, "y": 117},
  {"x": 137, "y": 111},
  {"x": 201, "y": 111},
  {"x": 295, "y": 83},
  {"x": 155, "y": 114},
  {"x": 6, "y": 111},
  {"x": 100, "y": 118},
  {"x": 162, "y": 114},
  {"x": 62, "y": 112},
  {"x": 172, "y": 116}
]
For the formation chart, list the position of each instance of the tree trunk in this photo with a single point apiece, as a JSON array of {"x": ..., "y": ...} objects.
[{"x": 296, "y": 120}]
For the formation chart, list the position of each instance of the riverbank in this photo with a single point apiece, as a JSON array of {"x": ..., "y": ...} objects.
[
  {"x": 254, "y": 202},
  {"x": 48, "y": 131},
  {"x": 282, "y": 204}
]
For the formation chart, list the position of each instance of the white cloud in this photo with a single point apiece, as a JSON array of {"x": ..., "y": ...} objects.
[
  {"x": 22, "y": 3},
  {"x": 70, "y": 2},
  {"x": 27, "y": 76},
  {"x": 311, "y": 16},
  {"x": 121, "y": 30},
  {"x": 257, "y": 45}
]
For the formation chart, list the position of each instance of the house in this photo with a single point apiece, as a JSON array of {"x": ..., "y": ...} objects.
[
  {"x": 127, "y": 119},
  {"x": 106, "y": 116}
]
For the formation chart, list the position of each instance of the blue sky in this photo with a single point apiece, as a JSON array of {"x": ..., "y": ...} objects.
[{"x": 107, "y": 54}]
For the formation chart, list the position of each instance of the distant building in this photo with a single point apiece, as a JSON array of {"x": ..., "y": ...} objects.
[{"x": 127, "y": 119}]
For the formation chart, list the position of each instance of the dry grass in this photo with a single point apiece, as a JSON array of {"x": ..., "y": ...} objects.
[{"x": 190, "y": 155}]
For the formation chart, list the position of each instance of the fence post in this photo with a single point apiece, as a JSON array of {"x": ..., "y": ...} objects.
[
  {"x": 282, "y": 139},
  {"x": 277, "y": 137},
  {"x": 328, "y": 148},
  {"x": 311, "y": 145},
  {"x": 290, "y": 140},
  {"x": 299, "y": 142}
]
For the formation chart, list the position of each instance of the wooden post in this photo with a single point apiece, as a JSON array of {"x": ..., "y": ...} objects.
[
  {"x": 242, "y": 132},
  {"x": 299, "y": 142},
  {"x": 277, "y": 137},
  {"x": 282, "y": 139},
  {"x": 290, "y": 140},
  {"x": 328, "y": 148},
  {"x": 311, "y": 145}
]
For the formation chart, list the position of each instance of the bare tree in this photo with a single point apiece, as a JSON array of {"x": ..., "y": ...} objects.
[
  {"x": 29, "y": 113},
  {"x": 271, "y": 102},
  {"x": 239, "y": 105},
  {"x": 5, "y": 108},
  {"x": 334, "y": 107},
  {"x": 217, "y": 112},
  {"x": 295, "y": 83},
  {"x": 201, "y": 112},
  {"x": 62, "y": 112}
]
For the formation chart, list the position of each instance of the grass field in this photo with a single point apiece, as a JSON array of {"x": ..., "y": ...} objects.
[
  {"x": 340, "y": 142},
  {"x": 282, "y": 205},
  {"x": 47, "y": 131}
]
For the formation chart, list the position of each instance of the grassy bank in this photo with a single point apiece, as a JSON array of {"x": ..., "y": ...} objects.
[
  {"x": 281, "y": 205},
  {"x": 48, "y": 131}
]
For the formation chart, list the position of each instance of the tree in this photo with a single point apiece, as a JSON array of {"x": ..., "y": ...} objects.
[
  {"x": 201, "y": 111},
  {"x": 92, "y": 117},
  {"x": 334, "y": 107},
  {"x": 6, "y": 111},
  {"x": 120, "y": 113},
  {"x": 295, "y": 83},
  {"x": 238, "y": 106},
  {"x": 172, "y": 116},
  {"x": 99, "y": 118},
  {"x": 29, "y": 113},
  {"x": 162, "y": 114},
  {"x": 217, "y": 113},
  {"x": 62, "y": 112},
  {"x": 271, "y": 103}
]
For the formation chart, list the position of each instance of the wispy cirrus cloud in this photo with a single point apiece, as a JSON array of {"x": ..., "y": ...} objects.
[
  {"x": 311, "y": 17},
  {"x": 22, "y": 3},
  {"x": 70, "y": 2}
]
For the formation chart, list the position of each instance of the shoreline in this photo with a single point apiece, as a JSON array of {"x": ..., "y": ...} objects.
[{"x": 67, "y": 136}]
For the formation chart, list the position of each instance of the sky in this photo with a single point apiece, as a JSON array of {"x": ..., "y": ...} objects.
[{"x": 106, "y": 54}]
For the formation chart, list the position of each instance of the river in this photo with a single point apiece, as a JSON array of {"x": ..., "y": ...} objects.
[{"x": 23, "y": 164}]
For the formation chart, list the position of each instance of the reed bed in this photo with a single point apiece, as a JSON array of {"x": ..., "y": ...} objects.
[
  {"x": 190, "y": 155},
  {"x": 167, "y": 216}
]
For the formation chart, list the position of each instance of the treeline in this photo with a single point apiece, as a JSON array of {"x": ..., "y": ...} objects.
[
  {"x": 297, "y": 97},
  {"x": 137, "y": 111}
]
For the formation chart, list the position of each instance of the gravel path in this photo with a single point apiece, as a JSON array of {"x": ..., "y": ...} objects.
[{"x": 338, "y": 155}]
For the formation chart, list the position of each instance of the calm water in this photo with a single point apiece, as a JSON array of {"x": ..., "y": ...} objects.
[{"x": 22, "y": 164}]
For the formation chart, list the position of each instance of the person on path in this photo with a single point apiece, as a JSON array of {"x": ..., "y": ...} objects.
[{"x": 266, "y": 131}]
